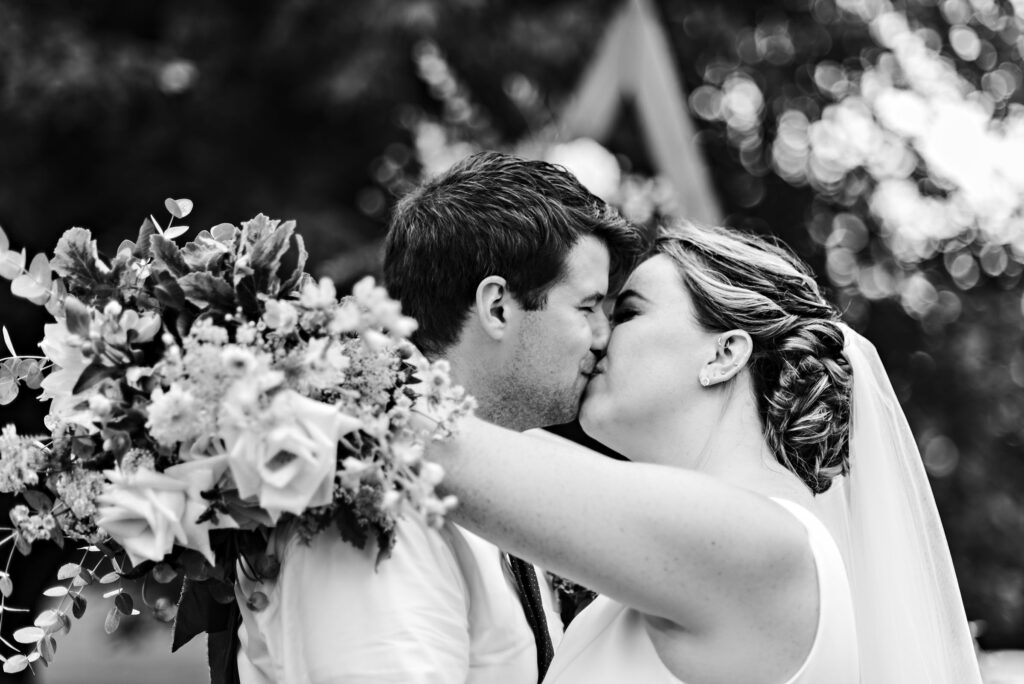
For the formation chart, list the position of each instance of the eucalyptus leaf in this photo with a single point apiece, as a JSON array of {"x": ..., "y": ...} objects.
[
  {"x": 112, "y": 620},
  {"x": 175, "y": 231},
  {"x": 8, "y": 385},
  {"x": 68, "y": 570},
  {"x": 29, "y": 635},
  {"x": 12, "y": 264},
  {"x": 225, "y": 232},
  {"x": 6, "y": 585},
  {"x": 110, "y": 578},
  {"x": 48, "y": 618},
  {"x": 78, "y": 606},
  {"x": 47, "y": 648},
  {"x": 124, "y": 603},
  {"x": 178, "y": 208},
  {"x": 15, "y": 664},
  {"x": 5, "y": 244},
  {"x": 7, "y": 341},
  {"x": 28, "y": 287},
  {"x": 34, "y": 377}
]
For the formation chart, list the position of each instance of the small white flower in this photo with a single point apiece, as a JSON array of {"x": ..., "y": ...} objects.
[
  {"x": 173, "y": 416},
  {"x": 237, "y": 360},
  {"x": 280, "y": 316},
  {"x": 320, "y": 295},
  {"x": 100, "y": 405}
]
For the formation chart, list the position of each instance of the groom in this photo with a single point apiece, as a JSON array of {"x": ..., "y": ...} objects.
[{"x": 505, "y": 264}]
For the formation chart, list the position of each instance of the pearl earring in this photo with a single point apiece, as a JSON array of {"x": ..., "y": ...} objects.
[{"x": 704, "y": 381}]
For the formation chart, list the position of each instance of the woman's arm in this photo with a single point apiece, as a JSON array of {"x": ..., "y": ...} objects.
[{"x": 669, "y": 542}]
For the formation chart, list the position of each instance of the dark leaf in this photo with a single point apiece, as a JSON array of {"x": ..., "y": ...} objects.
[
  {"x": 222, "y": 592},
  {"x": 78, "y": 606},
  {"x": 163, "y": 573},
  {"x": 385, "y": 545},
  {"x": 47, "y": 646},
  {"x": 23, "y": 545},
  {"x": 205, "y": 289},
  {"x": 266, "y": 254},
  {"x": 267, "y": 566},
  {"x": 198, "y": 612},
  {"x": 142, "y": 246},
  {"x": 57, "y": 536},
  {"x": 37, "y": 500},
  {"x": 257, "y": 602},
  {"x": 124, "y": 603},
  {"x": 78, "y": 317},
  {"x": 92, "y": 374},
  {"x": 293, "y": 265},
  {"x": 247, "y": 291},
  {"x": 139, "y": 570},
  {"x": 83, "y": 447},
  {"x": 349, "y": 526},
  {"x": 168, "y": 292},
  {"x": 167, "y": 254}
]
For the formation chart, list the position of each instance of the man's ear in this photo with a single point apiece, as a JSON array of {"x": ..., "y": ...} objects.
[
  {"x": 732, "y": 351},
  {"x": 492, "y": 301}
]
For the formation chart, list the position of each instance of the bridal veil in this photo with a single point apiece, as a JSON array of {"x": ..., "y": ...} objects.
[{"x": 911, "y": 625}]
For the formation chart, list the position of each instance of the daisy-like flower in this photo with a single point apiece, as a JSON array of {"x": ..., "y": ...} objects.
[{"x": 173, "y": 416}]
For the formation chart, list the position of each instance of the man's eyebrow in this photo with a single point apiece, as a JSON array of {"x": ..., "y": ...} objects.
[{"x": 594, "y": 297}]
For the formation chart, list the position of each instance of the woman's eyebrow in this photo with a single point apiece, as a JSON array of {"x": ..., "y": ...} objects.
[{"x": 626, "y": 294}]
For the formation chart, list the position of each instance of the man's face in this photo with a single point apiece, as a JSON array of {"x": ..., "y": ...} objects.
[{"x": 553, "y": 350}]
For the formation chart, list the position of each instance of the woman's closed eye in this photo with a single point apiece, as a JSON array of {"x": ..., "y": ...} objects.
[{"x": 623, "y": 314}]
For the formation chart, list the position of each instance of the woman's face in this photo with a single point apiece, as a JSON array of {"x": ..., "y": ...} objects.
[{"x": 650, "y": 373}]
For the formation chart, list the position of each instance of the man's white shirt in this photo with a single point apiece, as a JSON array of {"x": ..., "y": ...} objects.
[{"x": 443, "y": 609}]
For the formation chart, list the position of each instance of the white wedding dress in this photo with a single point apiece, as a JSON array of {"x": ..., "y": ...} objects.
[{"x": 608, "y": 643}]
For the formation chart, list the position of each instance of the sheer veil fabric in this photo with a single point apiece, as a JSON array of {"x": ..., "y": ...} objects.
[{"x": 911, "y": 625}]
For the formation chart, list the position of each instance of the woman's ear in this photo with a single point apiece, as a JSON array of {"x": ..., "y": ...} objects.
[
  {"x": 732, "y": 351},
  {"x": 492, "y": 301}
]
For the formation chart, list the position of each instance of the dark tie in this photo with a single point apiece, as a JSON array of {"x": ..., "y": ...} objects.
[{"x": 533, "y": 607}]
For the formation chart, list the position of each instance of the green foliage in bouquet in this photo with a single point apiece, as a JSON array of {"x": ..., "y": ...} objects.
[{"x": 203, "y": 399}]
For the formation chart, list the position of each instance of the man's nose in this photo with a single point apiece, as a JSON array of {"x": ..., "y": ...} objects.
[{"x": 601, "y": 330}]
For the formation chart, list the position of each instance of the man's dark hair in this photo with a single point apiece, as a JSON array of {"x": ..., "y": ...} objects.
[{"x": 492, "y": 214}]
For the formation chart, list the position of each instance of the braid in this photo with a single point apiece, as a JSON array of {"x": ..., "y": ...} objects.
[
  {"x": 805, "y": 402},
  {"x": 800, "y": 377}
]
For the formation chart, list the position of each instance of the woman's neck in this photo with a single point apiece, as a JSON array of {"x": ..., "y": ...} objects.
[{"x": 725, "y": 439}]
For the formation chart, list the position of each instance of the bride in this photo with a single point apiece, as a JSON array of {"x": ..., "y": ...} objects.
[{"x": 774, "y": 523}]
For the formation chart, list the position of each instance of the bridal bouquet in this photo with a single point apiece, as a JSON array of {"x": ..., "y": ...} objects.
[{"x": 201, "y": 396}]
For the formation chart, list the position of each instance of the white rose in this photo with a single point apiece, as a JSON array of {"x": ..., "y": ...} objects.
[
  {"x": 289, "y": 464},
  {"x": 143, "y": 512},
  {"x": 199, "y": 476}
]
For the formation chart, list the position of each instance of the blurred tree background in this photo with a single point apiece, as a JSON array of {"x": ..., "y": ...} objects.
[{"x": 884, "y": 143}]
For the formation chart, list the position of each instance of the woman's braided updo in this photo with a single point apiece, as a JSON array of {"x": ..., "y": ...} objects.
[{"x": 801, "y": 380}]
